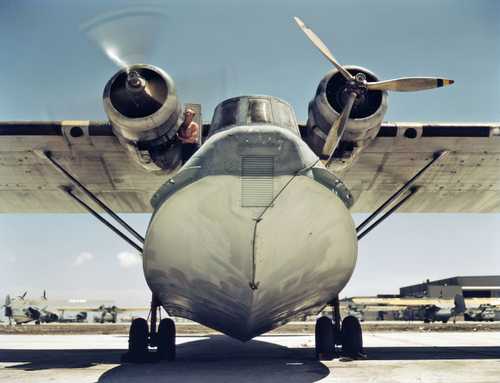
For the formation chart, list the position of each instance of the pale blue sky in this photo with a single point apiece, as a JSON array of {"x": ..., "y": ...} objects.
[{"x": 51, "y": 69}]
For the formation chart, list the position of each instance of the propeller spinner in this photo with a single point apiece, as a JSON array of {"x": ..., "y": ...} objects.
[{"x": 357, "y": 86}]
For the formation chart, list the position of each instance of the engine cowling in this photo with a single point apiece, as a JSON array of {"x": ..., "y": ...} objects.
[
  {"x": 142, "y": 106},
  {"x": 365, "y": 119}
]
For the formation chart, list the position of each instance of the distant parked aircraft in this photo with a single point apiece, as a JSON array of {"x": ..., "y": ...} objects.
[{"x": 23, "y": 310}]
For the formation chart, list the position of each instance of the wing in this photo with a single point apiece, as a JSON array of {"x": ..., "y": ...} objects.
[
  {"x": 418, "y": 302},
  {"x": 465, "y": 181},
  {"x": 402, "y": 302},
  {"x": 89, "y": 150},
  {"x": 94, "y": 309}
]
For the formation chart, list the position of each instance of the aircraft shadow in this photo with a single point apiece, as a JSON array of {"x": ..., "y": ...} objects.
[
  {"x": 214, "y": 359},
  {"x": 45, "y": 359},
  {"x": 220, "y": 358}
]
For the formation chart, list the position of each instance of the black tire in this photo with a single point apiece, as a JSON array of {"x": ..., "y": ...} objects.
[
  {"x": 352, "y": 337},
  {"x": 324, "y": 339},
  {"x": 138, "y": 338},
  {"x": 166, "y": 339}
]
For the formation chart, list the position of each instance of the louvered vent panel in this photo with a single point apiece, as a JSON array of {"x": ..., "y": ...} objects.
[{"x": 256, "y": 181}]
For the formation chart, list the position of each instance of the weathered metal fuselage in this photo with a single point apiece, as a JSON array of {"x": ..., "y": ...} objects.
[{"x": 253, "y": 230}]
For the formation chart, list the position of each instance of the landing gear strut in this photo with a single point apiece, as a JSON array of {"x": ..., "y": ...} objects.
[
  {"x": 330, "y": 333},
  {"x": 141, "y": 338}
]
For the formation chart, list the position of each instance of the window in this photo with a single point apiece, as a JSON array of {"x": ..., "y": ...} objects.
[{"x": 259, "y": 110}]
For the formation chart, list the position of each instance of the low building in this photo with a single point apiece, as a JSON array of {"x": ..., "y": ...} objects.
[{"x": 484, "y": 286}]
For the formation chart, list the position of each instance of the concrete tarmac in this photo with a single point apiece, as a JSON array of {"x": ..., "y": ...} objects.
[{"x": 392, "y": 357}]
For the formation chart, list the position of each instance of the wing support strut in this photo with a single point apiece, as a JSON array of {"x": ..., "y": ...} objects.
[
  {"x": 103, "y": 220},
  {"x": 411, "y": 193},
  {"x": 407, "y": 186},
  {"x": 48, "y": 155}
]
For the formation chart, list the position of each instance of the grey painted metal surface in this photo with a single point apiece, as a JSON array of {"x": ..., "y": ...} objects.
[
  {"x": 142, "y": 106},
  {"x": 137, "y": 120},
  {"x": 243, "y": 110},
  {"x": 198, "y": 254},
  {"x": 242, "y": 268},
  {"x": 326, "y": 134},
  {"x": 467, "y": 181},
  {"x": 326, "y": 107}
]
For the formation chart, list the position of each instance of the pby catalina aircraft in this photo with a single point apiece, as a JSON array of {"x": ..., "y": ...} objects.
[
  {"x": 429, "y": 309},
  {"x": 255, "y": 227},
  {"x": 23, "y": 310}
]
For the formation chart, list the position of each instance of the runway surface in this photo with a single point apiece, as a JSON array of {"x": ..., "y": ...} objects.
[{"x": 392, "y": 357}]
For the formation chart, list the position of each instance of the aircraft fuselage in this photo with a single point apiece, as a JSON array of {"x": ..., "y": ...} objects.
[{"x": 253, "y": 230}]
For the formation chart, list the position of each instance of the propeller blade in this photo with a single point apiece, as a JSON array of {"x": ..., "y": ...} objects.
[
  {"x": 409, "y": 84},
  {"x": 338, "y": 128},
  {"x": 322, "y": 47},
  {"x": 129, "y": 35}
]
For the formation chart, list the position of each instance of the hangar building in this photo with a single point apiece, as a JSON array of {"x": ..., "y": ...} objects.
[{"x": 484, "y": 286}]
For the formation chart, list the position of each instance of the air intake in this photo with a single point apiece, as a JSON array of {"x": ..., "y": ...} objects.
[{"x": 257, "y": 181}]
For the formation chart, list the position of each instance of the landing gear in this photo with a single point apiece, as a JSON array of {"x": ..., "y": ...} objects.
[
  {"x": 141, "y": 337},
  {"x": 166, "y": 340},
  {"x": 352, "y": 337},
  {"x": 330, "y": 333},
  {"x": 324, "y": 337},
  {"x": 138, "y": 341}
]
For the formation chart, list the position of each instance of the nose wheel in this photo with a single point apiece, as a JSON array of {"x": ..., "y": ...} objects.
[
  {"x": 352, "y": 338},
  {"x": 143, "y": 337},
  {"x": 330, "y": 333},
  {"x": 137, "y": 342},
  {"x": 325, "y": 338},
  {"x": 166, "y": 340}
]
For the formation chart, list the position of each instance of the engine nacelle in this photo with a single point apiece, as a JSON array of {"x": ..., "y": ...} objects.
[
  {"x": 366, "y": 116},
  {"x": 142, "y": 106}
]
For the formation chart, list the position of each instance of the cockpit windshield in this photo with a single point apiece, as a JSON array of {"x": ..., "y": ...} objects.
[{"x": 249, "y": 110}]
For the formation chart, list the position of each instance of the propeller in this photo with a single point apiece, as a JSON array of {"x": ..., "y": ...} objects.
[
  {"x": 357, "y": 86},
  {"x": 409, "y": 84},
  {"x": 130, "y": 35},
  {"x": 338, "y": 127},
  {"x": 322, "y": 48}
]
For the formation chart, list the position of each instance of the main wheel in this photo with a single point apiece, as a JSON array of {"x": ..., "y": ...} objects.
[
  {"x": 166, "y": 339},
  {"x": 352, "y": 337},
  {"x": 138, "y": 340},
  {"x": 324, "y": 337}
]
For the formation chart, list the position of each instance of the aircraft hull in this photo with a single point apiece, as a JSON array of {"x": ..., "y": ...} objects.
[{"x": 208, "y": 260}]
